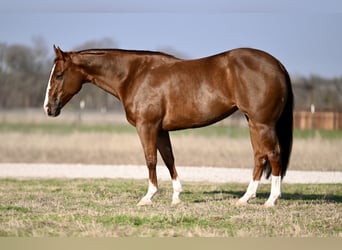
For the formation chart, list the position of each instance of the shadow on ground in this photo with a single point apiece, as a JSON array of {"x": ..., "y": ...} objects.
[{"x": 219, "y": 195}]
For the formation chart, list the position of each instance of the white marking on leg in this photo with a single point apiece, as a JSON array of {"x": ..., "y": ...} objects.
[
  {"x": 177, "y": 189},
  {"x": 275, "y": 191},
  {"x": 46, "y": 101},
  {"x": 250, "y": 193},
  {"x": 146, "y": 200}
]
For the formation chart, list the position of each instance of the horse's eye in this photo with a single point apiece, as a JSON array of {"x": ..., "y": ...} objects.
[{"x": 59, "y": 76}]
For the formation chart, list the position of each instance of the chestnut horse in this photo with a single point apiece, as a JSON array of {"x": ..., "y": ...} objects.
[{"x": 161, "y": 93}]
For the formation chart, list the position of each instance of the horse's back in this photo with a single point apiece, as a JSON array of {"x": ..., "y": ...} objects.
[{"x": 195, "y": 93}]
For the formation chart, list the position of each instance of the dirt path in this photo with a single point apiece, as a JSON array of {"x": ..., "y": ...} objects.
[{"x": 197, "y": 174}]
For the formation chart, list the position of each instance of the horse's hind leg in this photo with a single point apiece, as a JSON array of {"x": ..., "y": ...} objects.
[
  {"x": 260, "y": 161},
  {"x": 266, "y": 150},
  {"x": 165, "y": 150},
  {"x": 274, "y": 158}
]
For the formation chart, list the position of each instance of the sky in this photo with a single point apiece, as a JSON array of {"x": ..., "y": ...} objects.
[{"x": 306, "y": 35}]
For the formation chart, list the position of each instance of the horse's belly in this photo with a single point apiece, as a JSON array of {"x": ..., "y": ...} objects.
[{"x": 188, "y": 116}]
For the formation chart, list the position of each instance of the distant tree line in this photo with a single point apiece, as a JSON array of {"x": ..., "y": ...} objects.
[
  {"x": 325, "y": 94},
  {"x": 24, "y": 72}
]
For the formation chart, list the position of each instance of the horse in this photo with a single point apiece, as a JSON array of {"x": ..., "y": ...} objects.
[{"x": 162, "y": 93}]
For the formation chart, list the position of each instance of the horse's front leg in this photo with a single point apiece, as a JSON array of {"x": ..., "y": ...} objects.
[
  {"x": 148, "y": 138},
  {"x": 165, "y": 150}
]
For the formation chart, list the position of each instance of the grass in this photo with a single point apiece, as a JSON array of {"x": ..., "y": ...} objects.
[
  {"x": 218, "y": 146},
  {"x": 67, "y": 128},
  {"x": 101, "y": 208},
  {"x": 210, "y": 131}
]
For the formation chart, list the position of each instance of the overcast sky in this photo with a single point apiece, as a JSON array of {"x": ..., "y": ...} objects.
[{"x": 306, "y": 35}]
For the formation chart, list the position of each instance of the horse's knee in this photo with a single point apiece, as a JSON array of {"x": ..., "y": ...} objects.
[{"x": 151, "y": 162}]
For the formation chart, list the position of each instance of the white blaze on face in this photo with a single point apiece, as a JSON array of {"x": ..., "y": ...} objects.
[{"x": 46, "y": 101}]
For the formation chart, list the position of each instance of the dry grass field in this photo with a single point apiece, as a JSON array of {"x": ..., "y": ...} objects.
[
  {"x": 106, "y": 207},
  {"x": 121, "y": 145}
]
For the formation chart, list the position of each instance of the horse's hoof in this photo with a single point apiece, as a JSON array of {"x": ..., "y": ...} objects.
[
  {"x": 241, "y": 203},
  {"x": 144, "y": 203},
  {"x": 175, "y": 202},
  {"x": 268, "y": 205}
]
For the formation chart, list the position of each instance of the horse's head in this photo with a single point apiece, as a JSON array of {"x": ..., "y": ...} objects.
[{"x": 65, "y": 81}]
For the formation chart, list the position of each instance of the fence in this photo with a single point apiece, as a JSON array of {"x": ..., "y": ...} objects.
[{"x": 318, "y": 120}]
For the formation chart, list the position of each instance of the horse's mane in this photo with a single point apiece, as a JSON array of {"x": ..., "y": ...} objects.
[{"x": 136, "y": 52}]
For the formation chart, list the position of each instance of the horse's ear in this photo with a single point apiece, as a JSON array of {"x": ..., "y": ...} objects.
[{"x": 59, "y": 53}]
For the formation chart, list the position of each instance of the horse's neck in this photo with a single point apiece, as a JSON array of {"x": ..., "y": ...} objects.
[
  {"x": 106, "y": 72},
  {"x": 113, "y": 72}
]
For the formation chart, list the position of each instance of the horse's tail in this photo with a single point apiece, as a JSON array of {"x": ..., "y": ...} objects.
[{"x": 284, "y": 128}]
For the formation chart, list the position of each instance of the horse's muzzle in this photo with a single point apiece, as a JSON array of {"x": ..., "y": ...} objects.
[{"x": 53, "y": 110}]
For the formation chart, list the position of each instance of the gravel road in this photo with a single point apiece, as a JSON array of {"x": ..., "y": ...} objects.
[{"x": 196, "y": 174}]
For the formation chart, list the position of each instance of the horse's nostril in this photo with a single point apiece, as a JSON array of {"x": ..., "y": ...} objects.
[{"x": 48, "y": 111}]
